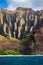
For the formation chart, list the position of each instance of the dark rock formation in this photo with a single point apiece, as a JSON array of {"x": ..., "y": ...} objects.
[{"x": 20, "y": 22}]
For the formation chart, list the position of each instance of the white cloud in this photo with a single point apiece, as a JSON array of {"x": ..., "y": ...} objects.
[
  {"x": 10, "y": 7},
  {"x": 17, "y": 1},
  {"x": 34, "y": 4}
]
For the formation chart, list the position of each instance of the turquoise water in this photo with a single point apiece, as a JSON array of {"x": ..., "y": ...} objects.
[{"x": 21, "y": 60}]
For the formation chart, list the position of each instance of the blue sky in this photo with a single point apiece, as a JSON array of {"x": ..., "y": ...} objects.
[
  {"x": 13, "y": 4},
  {"x": 3, "y": 4}
]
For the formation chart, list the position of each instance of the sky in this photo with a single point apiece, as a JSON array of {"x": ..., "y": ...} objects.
[{"x": 13, "y": 4}]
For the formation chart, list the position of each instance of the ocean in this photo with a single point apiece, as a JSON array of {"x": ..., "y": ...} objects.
[{"x": 21, "y": 60}]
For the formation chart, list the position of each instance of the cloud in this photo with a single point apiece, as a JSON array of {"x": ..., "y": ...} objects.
[
  {"x": 37, "y": 4},
  {"x": 17, "y": 1},
  {"x": 10, "y": 7},
  {"x": 34, "y": 4}
]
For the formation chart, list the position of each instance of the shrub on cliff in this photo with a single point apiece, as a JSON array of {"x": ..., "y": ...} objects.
[{"x": 10, "y": 52}]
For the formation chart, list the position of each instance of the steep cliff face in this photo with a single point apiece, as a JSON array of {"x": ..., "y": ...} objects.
[{"x": 20, "y": 22}]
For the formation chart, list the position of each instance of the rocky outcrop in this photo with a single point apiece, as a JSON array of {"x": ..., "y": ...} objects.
[{"x": 21, "y": 22}]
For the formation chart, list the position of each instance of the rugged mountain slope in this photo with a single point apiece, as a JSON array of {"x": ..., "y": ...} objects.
[{"x": 21, "y": 22}]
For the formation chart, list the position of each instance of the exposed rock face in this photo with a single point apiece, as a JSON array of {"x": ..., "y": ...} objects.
[{"x": 20, "y": 22}]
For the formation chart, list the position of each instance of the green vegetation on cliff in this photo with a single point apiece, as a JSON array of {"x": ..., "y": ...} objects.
[{"x": 10, "y": 52}]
